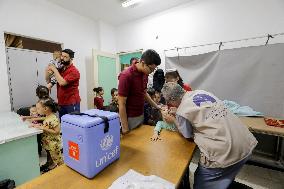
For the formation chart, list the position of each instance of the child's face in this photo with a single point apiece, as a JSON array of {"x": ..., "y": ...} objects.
[
  {"x": 164, "y": 109},
  {"x": 33, "y": 111},
  {"x": 153, "y": 97},
  {"x": 115, "y": 96},
  {"x": 41, "y": 109},
  {"x": 56, "y": 55},
  {"x": 157, "y": 98},
  {"x": 171, "y": 79},
  {"x": 101, "y": 93}
]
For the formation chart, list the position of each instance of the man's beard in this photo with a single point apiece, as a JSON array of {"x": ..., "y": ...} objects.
[{"x": 65, "y": 63}]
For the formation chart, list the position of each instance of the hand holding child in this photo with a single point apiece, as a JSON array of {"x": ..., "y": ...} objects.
[{"x": 52, "y": 67}]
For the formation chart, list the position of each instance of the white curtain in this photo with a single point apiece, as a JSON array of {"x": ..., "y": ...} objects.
[{"x": 252, "y": 76}]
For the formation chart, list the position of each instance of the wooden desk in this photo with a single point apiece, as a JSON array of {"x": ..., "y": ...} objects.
[
  {"x": 257, "y": 124},
  {"x": 168, "y": 159}
]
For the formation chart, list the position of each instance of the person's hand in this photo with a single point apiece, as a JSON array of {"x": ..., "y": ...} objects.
[
  {"x": 52, "y": 68},
  {"x": 29, "y": 120},
  {"x": 125, "y": 131},
  {"x": 159, "y": 107},
  {"x": 48, "y": 71},
  {"x": 36, "y": 126},
  {"x": 155, "y": 137},
  {"x": 49, "y": 86}
]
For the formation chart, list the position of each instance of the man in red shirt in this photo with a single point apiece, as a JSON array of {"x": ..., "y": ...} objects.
[
  {"x": 132, "y": 90},
  {"x": 67, "y": 78}
]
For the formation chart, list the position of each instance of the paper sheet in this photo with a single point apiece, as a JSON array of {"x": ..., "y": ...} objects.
[{"x": 135, "y": 180}]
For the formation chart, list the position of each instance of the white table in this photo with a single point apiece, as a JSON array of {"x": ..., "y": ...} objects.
[{"x": 19, "y": 159}]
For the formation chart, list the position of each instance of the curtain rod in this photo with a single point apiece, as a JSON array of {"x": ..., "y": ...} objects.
[{"x": 221, "y": 43}]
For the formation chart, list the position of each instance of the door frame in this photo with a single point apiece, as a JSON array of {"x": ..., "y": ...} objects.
[
  {"x": 93, "y": 75},
  {"x": 97, "y": 53}
]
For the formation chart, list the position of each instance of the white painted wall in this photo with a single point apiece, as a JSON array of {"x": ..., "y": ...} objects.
[
  {"x": 202, "y": 22},
  {"x": 44, "y": 20},
  {"x": 107, "y": 35},
  {"x": 195, "y": 23}
]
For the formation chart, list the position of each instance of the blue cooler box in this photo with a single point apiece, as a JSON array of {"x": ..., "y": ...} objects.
[{"x": 90, "y": 143}]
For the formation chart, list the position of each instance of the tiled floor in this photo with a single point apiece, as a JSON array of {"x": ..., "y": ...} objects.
[{"x": 253, "y": 176}]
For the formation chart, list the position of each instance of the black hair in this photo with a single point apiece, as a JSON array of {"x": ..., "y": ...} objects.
[
  {"x": 132, "y": 59},
  {"x": 151, "y": 57},
  {"x": 151, "y": 91},
  {"x": 158, "y": 80},
  {"x": 113, "y": 90},
  {"x": 50, "y": 103},
  {"x": 70, "y": 52},
  {"x": 42, "y": 91},
  {"x": 98, "y": 89},
  {"x": 175, "y": 74}
]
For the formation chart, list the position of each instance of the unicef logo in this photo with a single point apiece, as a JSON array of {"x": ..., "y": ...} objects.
[
  {"x": 106, "y": 142},
  {"x": 203, "y": 98}
]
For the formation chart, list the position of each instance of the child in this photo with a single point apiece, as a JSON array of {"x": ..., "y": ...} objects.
[
  {"x": 113, "y": 106},
  {"x": 172, "y": 75},
  {"x": 55, "y": 61},
  {"x": 42, "y": 91},
  {"x": 99, "y": 100},
  {"x": 163, "y": 124},
  {"x": 51, "y": 139},
  {"x": 34, "y": 117},
  {"x": 114, "y": 96},
  {"x": 151, "y": 114}
]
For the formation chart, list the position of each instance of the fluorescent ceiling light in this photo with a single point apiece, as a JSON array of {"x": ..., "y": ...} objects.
[{"x": 128, "y": 3}]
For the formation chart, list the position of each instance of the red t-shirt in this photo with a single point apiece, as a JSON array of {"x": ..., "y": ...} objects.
[
  {"x": 99, "y": 102},
  {"x": 133, "y": 85},
  {"x": 69, "y": 94}
]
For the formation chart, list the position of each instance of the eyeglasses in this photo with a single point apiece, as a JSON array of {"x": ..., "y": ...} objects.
[{"x": 151, "y": 68}]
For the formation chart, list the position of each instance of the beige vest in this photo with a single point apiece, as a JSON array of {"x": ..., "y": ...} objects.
[{"x": 220, "y": 135}]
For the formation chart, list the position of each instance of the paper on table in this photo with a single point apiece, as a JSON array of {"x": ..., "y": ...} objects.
[{"x": 135, "y": 180}]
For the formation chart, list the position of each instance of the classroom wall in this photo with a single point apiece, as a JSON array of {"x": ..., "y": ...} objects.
[
  {"x": 107, "y": 35},
  {"x": 44, "y": 20},
  {"x": 201, "y": 22},
  {"x": 195, "y": 23}
]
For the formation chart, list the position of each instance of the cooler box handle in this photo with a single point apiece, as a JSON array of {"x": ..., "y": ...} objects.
[{"x": 104, "y": 118}]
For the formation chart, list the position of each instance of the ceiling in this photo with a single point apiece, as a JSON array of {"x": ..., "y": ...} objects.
[{"x": 113, "y": 13}]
